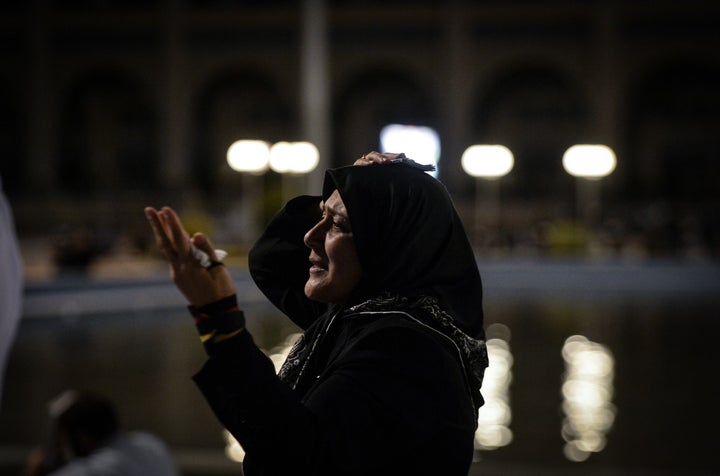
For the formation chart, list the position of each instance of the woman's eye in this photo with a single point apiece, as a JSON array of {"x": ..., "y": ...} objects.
[{"x": 341, "y": 226}]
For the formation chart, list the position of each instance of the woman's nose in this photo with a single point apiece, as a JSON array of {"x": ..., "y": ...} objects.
[{"x": 314, "y": 237}]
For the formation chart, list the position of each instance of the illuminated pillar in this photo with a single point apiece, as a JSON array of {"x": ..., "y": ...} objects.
[
  {"x": 174, "y": 157},
  {"x": 604, "y": 65},
  {"x": 41, "y": 174},
  {"x": 457, "y": 80},
  {"x": 605, "y": 74},
  {"x": 314, "y": 87}
]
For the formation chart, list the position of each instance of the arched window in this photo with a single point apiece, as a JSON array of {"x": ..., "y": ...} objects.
[
  {"x": 232, "y": 106},
  {"x": 538, "y": 114},
  {"x": 12, "y": 137},
  {"x": 373, "y": 99},
  {"x": 672, "y": 132},
  {"x": 108, "y": 140}
]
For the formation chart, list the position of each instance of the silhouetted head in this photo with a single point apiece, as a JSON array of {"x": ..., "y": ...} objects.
[
  {"x": 393, "y": 228},
  {"x": 82, "y": 422}
]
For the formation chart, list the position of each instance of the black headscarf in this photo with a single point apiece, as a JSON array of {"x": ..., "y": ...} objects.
[{"x": 409, "y": 238}]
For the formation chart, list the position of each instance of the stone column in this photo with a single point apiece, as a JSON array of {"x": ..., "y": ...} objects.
[
  {"x": 605, "y": 93},
  {"x": 174, "y": 144},
  {"x": 41, "y": 172},
  {"x": 455, "y": 92},
  {"x": 315, "y": 87},
  {"x": 605, "y": 127}
]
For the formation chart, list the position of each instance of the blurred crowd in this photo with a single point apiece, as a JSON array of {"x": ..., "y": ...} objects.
[{"x": 653, "y": 232}]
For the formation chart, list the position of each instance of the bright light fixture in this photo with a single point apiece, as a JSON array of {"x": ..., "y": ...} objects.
[
  {"x": 419, "y": 143},
  {"x": 294, "y": 157},
  {"x": 249, "y": 156},
  {"x": 591, "y": 161},
  {"x": 487, "y": 161}
]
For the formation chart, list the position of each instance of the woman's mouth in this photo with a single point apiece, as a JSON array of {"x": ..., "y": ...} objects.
[{"x": 317, "y": 267}]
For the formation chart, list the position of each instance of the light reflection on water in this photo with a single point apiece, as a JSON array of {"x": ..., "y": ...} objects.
[
  {"x": 495, "y": 416},
  {"x": 659, "y": 406},
  {"x": 587, "y": 397}
]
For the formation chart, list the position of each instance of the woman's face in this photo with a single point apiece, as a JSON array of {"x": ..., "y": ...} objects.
[{"x": 335, "y": 269}]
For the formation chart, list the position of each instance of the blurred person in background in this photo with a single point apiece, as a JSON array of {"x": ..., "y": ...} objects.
[
  {"x": 11, "y": 283},
  {"x": 386, "y": 378},
  {"x": 86, "y": 440}
]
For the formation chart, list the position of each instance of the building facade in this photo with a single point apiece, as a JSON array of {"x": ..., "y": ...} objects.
[{"x": 120, "y": 103}]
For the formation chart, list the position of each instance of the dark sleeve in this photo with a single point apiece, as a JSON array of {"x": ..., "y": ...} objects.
[
  {"x": 265, "y": 416},
  {"x": 218, "y": 321},
  {"x": 395, "y": 403},
  {"x": 247, "y": 397},
  {"x": 278, "y": 261},
  {"x": 390, "y": 397},
  {"x": 239, "y": 381}
]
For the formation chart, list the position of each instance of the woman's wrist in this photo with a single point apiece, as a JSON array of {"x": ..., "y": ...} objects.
[
  {"x": 215, "y": 308},
  {"x": 218, "y": 321}
]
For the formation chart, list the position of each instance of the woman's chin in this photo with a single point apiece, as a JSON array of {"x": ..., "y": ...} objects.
[
  {"x": 321, "y": 293},
  {"x": 312, "y": 292}
]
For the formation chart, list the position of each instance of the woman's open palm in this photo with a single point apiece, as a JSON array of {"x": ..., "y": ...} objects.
[{"x": 200, "y": 285}]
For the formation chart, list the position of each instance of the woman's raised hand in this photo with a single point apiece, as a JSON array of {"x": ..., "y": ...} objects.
[
  {"x": 200, "y": 285},
  {"x": 375, "y": 157}
]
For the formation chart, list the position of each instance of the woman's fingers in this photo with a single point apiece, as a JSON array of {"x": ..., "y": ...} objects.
[
  {"x": 375, "y": 157},
  {"x": 170, "y": 236},
  {"x": 203, "y": 250},
  {"x": 161, "y": 235},
  {"x": 202, "y": 243},
  {"x": 200, "y": 283},
  {"x": 180, "y": 237}
]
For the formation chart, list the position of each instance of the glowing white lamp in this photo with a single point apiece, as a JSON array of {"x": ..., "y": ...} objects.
[
  {"x": 419, "y": 143},
  {"x": 250, "y": 156},
  {"x": 294, "y": 157},
  {"x": 487, "y": 161},
  {"x": 590, "y": 161}
]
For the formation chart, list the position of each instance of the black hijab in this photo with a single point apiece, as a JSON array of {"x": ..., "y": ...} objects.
[{"x": 409, "y": 238}]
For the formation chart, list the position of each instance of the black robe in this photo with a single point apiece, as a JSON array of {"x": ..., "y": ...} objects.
[{"x": 380, "y": 391}]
